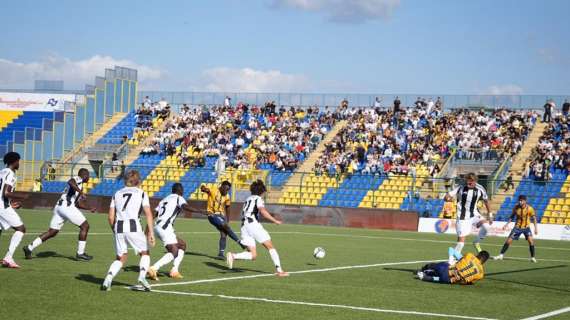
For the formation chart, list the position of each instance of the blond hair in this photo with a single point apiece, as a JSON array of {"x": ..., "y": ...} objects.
[{"x": 132, "y": 178}]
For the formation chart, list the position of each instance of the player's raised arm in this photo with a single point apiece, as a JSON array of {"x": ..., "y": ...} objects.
[
  {"x": 268, "y": 216},
  {"x": 73, "y": 185},
  {"x": 451, "y": 194}
]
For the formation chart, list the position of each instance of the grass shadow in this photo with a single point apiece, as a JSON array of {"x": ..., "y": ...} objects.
[
  {"x": 526, "y": 270},
  {"x": 96, "y": 280},
  {"x": 401, "y": 269},
  {"x": 52, "y": 254},
  {"x": 199, "y": 254},
  {"x": 225, "y": 268}
]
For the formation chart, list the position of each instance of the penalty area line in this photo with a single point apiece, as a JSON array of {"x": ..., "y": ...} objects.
[
  {"x": 323, "y": 305},
  {"x": 293, "y": 272},
  {"x": 549, "y": 314}
]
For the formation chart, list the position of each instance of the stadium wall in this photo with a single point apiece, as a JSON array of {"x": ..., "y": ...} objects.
[{"x": 324, "y": 216}]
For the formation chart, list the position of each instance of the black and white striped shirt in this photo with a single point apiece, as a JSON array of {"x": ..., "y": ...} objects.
[
  {"x": 168, "y": 209},
  {"x": 467, "y": 200},
  {"x": 250, "y": 211},
  {"x": 128, "y": 203}
]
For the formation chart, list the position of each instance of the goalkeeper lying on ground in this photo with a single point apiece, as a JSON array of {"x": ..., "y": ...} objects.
[{"x": 460, "y": 269}]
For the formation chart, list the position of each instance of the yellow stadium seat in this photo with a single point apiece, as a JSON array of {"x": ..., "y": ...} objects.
[{"x": 567, "y": 221}]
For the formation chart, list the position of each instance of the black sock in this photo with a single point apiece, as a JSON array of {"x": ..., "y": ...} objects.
[
  {"x": 222, "y": 244},
  {"x": 531, "y": 247},
  {"x": 505, "y": 248}
]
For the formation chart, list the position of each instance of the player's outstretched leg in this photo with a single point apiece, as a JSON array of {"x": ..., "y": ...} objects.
[
  {"x": 222, "y": 245},
  {"x": 8, "y": 260},
  {"x": 174, "y": 272},
  {"x": 28, "y": 250},
  {"x": 250, "y": 254},
  {"x": 530, "y": 240},
  {"x": 82, "y": 242},
  {"x": 171, "y": 254},
  {"x": 483, "y": 230},
  {"x": 113, "y": 271},
  {"x": 275, "y": 258},
  {"x": 504, "y": 249}
]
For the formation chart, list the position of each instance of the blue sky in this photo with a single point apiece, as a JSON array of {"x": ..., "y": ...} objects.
[{"x": 357, "y": 46}]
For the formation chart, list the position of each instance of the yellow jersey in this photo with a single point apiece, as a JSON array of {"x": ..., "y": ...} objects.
[
  {"x": 217, "y": 203},
  {"x": 522, "y": 216},
  {"x": 467, "y": 270}
]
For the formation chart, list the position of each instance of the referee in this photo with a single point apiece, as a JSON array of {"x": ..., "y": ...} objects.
[
  {"x": 468, "y": 215},
  {"x": 523, "y": 214}
]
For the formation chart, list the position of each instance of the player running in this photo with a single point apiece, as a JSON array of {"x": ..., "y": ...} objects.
[
  {"x": 467, "y": 270},
  {"x": 468, "y": 214},
  {"x": 252, "y": 230},
  {"x": 67, "y": 209},
  {"x": 523, "y": 214},
  {"x": 9, "y": 201},
  {"x": 166, "y": 212},
  {"x": 127, "y": 229},
  {"x": 218, "y": 208}
]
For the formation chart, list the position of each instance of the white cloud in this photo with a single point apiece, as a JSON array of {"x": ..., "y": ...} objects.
[
  {"x": 75, "y": 73},
  {"x": 347, "y": 11},
  {"x": 250, "y": 80},
  {"x": 506, "y": 89}
]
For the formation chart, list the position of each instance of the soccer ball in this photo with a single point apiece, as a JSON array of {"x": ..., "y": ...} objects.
[{"x": 319, "y": 253}]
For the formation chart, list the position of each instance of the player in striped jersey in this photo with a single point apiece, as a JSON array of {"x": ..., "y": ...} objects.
[
  {"x": 523, "y": 214},
  {"x": 67, "y": 209},
  {"x": 166, "y": 213},
  {"x": 127, "y": 230},
  {"x": 9, "y": 201},
  {"x": 468, "y": 214},
  {"x": 252, "y": 230},
  {"x": 467, "y": 270}
]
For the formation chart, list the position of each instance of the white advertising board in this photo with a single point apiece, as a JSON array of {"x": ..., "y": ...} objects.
[
  {"x": 22, "y": 101},
  {"x": 545, "y": 231}
]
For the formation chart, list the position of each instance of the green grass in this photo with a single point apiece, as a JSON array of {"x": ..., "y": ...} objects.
[{"x": 53, "y": 286}]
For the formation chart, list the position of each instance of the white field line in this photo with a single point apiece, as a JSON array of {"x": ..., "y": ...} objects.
[
  {"x": 539, "y": 259},
  {"x": 323, "y": 305},
  {"x": 548, "y": 314},
  {"x": 292, "y": 272},
  {"x": 325, "y": 235}
]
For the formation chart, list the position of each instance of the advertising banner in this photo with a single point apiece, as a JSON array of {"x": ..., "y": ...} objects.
[
  {"x": 545, "y": 231},
  {"x": 22, "y": 101}
]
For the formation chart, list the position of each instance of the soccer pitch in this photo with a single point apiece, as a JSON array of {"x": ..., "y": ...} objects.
[{"x": 367, "y": 274}]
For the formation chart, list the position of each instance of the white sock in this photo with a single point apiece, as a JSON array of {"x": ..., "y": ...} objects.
[
  {"x": 275, "y": 257},
  {"x": 113, "y": 270},
  {"x": 482, "y": 232},
  {"x": 163, "y": 261},
  {"x": 14, "y": 242},
  {"x": 246, "y": 255},
  {"x": 143, "y": 266},
  {"x": 178, "y": 260},
  {"x": 81, "y": 247},
  {"x": 459, "y": 246},
  {"x": 36, "y": 243}
]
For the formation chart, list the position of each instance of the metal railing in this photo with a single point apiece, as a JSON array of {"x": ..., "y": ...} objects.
[{"x": 361, "y": 100}]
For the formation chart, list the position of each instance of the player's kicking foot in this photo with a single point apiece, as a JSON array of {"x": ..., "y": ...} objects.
[
  {"x": 419, "y": 275},
  {"x": 10, "y": 264},
  {"x": 175, "y": 275},
  {"x": 144, "y": 284},
  {"x": 282, "y": 274},
  {"x": 533, "y": 260},
  {"x": 106, "y": 285},
  {"x": 499, "y": 257},
  {"x": 230, "y": 260},
  {"x": 221, "y": 256},
  {"x": 153, "y": 273},
  {"x": 83, "y": 257},
  {"x": 27, "y": 252},
  {"x": 477, "y": 246}
]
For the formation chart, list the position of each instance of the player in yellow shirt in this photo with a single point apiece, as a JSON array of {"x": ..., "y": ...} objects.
[
  {"x": 467, "y": 270},
  {"x": 218, "y": 208},
  {"x": 523, "y": 215}
]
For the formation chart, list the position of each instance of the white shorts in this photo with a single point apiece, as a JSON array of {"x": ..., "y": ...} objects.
[
  {"x": 252, "y": 232},
  {"x": 9, "y": 218},
  {"x": 61, "y": 214},
  {"x": 136, "y": 240},
  {"x": 167, "y": 236},
  {"x": 464, "y": 227}
]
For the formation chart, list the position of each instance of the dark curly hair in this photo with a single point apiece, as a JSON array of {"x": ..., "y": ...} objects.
[{"x": 257, "y": 188}]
